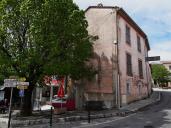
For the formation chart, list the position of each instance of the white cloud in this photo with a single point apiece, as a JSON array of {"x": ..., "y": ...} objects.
[
  {"x": 162, "y": 49},
  {"x": 163, "y": 46},
  {"x": 153, "y": 16}
]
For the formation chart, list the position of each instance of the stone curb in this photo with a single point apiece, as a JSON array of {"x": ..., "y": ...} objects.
[{"x": 60, "y": 120}]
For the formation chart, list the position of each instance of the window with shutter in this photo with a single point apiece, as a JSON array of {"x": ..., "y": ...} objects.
[
  {"x": 138, "y": 44},
  {"x": 128, "y": 35},
  {"x": 140, "y": 67},
  {"x": 129, "y": 64}
]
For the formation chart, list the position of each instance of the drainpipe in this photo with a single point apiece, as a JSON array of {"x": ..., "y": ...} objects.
[
  {"x": 116, "y": 76},
  {"x": 117, "y": 48}
]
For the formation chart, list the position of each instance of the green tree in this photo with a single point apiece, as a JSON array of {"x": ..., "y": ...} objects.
[
  {"x": 43, "y": 37},
  {"x": 160, "y": 74}
]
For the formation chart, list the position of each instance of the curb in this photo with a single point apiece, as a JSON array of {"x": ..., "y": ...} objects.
[{"x": 15, "y": 123}]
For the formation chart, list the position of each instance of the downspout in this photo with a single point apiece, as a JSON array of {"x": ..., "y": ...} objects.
[
  {"x": 116, "y": 76},
  {"x": 118, "y": 69}
]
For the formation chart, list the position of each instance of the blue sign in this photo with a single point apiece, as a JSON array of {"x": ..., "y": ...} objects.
[{"x": 21, "y": 93}]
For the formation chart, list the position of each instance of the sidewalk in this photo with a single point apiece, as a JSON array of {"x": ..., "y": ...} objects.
[
  {"x": 135, "y": 106},
  {"x": 81, "y": 115}
]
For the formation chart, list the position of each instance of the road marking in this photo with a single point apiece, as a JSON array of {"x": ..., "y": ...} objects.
[{"x": 96, "y": 124}]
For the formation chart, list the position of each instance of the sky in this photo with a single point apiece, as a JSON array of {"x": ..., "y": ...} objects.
[{"x": 153, "y": 16}]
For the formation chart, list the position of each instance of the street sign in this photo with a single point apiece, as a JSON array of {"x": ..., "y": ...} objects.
[
  {"x": 21, "y": 93},
  {"x": 22, "y": 79},
  {"x": 23, "y": 83},
  {"x": 10, "y": 83},
  {"x": 153, "y": 58},
  {"x": 22, "y": 87}
]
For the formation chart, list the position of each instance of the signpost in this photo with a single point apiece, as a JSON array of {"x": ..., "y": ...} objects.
[
  {"x": 22, "y": 86},
  {"x": 12, "y": 83}
]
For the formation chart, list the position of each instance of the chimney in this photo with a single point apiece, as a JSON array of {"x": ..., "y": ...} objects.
[{"x": 100, "y": 5}]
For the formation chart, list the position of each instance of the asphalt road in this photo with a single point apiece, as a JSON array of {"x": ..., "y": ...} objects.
[{"x": 155, "y": 116}]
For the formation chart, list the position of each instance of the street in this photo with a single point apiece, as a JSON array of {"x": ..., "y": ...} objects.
[{"x": 155, "y": 116}]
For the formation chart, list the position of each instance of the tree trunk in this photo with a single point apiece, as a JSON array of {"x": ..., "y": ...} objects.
[{"x": 27, "y": 102}]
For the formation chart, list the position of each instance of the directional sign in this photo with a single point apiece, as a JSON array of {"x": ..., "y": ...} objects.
[
  {"x": 153, "y": 58},
  {"x": 22, "y": 79},
  {"x": 21, "y": 87},
  {"x": 23, "y": 83},
  {"x": 10, "y": 83}
]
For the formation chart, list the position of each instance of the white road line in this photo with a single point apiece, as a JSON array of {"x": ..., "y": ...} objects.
[{"x": 89, "y": 125}]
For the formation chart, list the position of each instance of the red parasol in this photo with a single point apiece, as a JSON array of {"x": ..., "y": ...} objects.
[{"x": 61, "y": 91}]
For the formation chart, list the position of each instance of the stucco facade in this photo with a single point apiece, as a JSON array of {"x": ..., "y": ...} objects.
[
  {"x": 110, "y": 83},
  {"x": 138, "y": 87}
]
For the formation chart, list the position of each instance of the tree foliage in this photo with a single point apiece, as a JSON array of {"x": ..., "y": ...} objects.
[
  {"x": 43, "y": 37},
  {"x": 160, "y": 74}
]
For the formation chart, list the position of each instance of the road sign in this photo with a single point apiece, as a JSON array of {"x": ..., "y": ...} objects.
[
  {"x": 22, "y": 79},
  {"x": 22, "y": 87},
  {"x": 10, "y": 83},
  {"x": 23, "y": 83},
  {"x": 21, "y": 93},
  {"x": 153, "y": 58}
]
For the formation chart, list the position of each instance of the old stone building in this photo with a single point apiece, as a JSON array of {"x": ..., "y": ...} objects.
[{"x": 119, "y": 56}]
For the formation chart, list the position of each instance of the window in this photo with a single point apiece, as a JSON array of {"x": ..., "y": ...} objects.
[
  {"x": 129, "y": 64},
  {"x": 139, "y": 84},
  {"x": 128, "y": 87},
  {"x": 138, "y": 44},
  {"x": 140, "y": 67},
  {"x": 139, "y": 89},
  {"x": 128, "y": 37}
]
